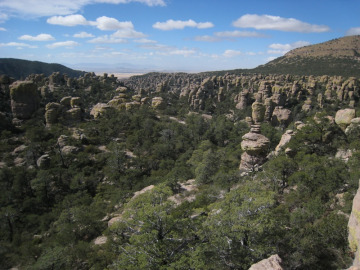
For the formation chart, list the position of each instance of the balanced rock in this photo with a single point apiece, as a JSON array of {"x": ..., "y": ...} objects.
[
  {"x": 255, "y": 146},
  {"x": 25, "y": 99},
  {"x": 258, "y": 112}
]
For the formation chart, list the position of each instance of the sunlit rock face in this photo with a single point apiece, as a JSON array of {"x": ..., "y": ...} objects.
[{"x": 25, "y": 99}]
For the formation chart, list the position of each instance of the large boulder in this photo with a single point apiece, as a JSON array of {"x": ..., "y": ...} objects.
[
  {"x": 25, "y": 99},
  {"x": 43, "y": 162},
  {"x": 271, "y": 263},
  {"x": 258, "y": 112},
  {"x": 343, "y": 117},
  {"x": 281, "y": 116},
  {"x": 158, "y": 103},
  {"x": 99, "y": 109}
]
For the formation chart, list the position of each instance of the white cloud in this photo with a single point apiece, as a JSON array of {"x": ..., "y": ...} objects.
[
  {"x": 2, "y": 29},
  {"x": 238, "y": 34},
  {"x": 17, "y": 44},
  {"x": 3, "y": 17},
  {"x": 232, "y": 53},
  {"x": 68, "y": 44},
  {"x": 40, "y": 37},
  {"x": 277, "y": 48},
  {"x": 207, "y": 38},
  {"x": 144, "y": 40},
  {"x": 70, "y": 20},
  {"x": 268, "y": 22},
  {"x": 107, "y": 23},
  {"x": 128, "y": 33},
  {"x": 146, "y": 2},
  {"x": 228, "y": 35},
  {"x": 40, "y": 8},
  {"x": 353, "y": 31},
  {"x": 107, "y": 40},
  {"x": 183, "y": 52},
  {"x": 83, "y": 35},
  {"x": 171, "y": 25}
]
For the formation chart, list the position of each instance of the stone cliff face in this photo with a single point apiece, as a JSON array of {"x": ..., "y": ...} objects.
[{"x": 25, "y": 99}]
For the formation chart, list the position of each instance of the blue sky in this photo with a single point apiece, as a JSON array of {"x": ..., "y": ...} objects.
[{"x": 168, "y": 35}]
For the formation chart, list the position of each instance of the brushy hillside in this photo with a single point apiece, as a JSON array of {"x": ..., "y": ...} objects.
[
  {"x": 338, "y": 57},
  {"x": 20, "y": 69}
]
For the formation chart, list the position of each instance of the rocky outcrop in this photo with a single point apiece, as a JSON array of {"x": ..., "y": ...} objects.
[
  {"x": 281, "y": 117},
  {"x": 343, "y": 117},
  {"x": 99, "y": 109},
  {"x": 158, "y": 103},
  {"x": 285, "y": 139},
  {"x": 25, "y": 99},
  {"x": 354, "y": 229},
  {"x": 43, "y": 162},
  {"x": 52, "y": 112},
  {"x": 271, "y": 263},
  {"x": 255, "y": 146}
]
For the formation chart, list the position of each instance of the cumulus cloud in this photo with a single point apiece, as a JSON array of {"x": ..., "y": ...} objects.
[
  {"x": 232, "y": 53},
  {"x": 40, "y": 37},
  {"x": 70, "y": 20},
  {"x": 40, "y": 8},
  {"x": 2, "y": 29},
  {"x": 107, "y": 23},
  {"x": 17, "y": 44},
  {"x": 171, "y": 25},
  {"x": 277, "y": 48},
  {"x": 128, "y": 33},
  {"x": 268, "y": 22},
  {"x": 83, "y": 35},
  {"x": 353, "y": 31},
  {"x": 68, "y": 44}
]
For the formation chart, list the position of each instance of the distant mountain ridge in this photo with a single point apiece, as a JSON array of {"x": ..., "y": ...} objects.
[{"x": 20, "y": 69}]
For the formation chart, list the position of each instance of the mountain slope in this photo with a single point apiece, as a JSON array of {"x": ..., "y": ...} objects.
[
  {"x": 18, "y": 68},
  {"x": 335, "y": 57}
]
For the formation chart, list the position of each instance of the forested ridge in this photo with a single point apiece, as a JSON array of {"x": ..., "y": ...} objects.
[{"x": 98, "y": 173}]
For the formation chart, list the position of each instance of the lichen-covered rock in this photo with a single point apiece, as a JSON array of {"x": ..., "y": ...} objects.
[
  {"x": 66, "y": 101},
  {"x": 307, "y": 105},
  {"x": 281, "y": 116},
  {"x": 73, "y": 115},
  {"x": 75, "y": 102},
  {"x": 158, "y": 103},
  {"x": 285, "y": 139},
  {"x": 99, "y": 109},
  {"x": 271, "y": 263},
  {"x": 68, "y": 149},
  {"x": 25, "y": 99},
  {"x": 353, "y": 127},
  {"x": 343, "y": 117},
  {"x": 255, "y": 146},
  {"x": 258, "y": 112},
  {"x": 52, "y": 111},
  {"x": 43, "y": 162},
  {"x": 354, "y": 228},
  {"x": 132, "y": 105}
]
